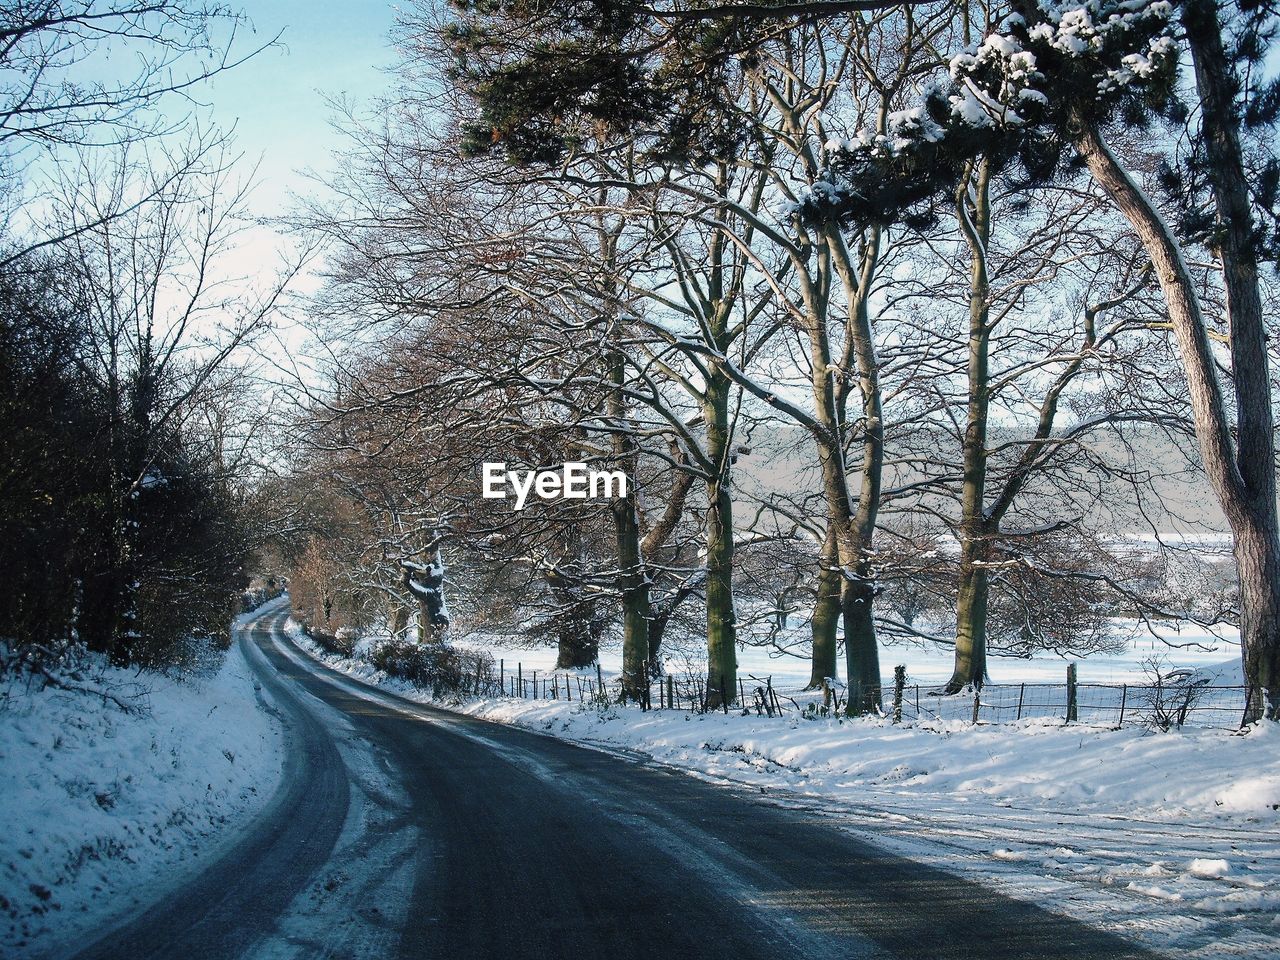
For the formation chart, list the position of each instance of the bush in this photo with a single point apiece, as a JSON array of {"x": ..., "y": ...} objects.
[
  {"x": 341, "y": 643},
  {"x": 251, "y": 600},
  {"x": 439, "y": 667}
]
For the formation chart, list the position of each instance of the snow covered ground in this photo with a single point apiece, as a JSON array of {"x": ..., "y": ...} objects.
[
  {"x": 1187, "y": 646},
  {"x": 102, "y": 808},
  {"x": 1172, "y": 839}
]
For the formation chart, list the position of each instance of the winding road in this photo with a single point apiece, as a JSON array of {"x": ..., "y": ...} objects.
[{"x": 400, "y": 830}]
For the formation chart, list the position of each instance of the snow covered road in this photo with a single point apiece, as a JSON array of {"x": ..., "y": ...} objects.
[{"x": 404, "y": 830}]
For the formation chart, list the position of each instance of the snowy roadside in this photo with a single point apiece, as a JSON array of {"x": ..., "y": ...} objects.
[
  {"x": 102, "y": 808},
  {"x": 1170, "y": 839}
]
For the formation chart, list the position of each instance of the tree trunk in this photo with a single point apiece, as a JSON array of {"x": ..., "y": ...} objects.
[
  {"x": 657, "y": 631},
  {"x": 577, "y": 648},
  {"x": 722, "y": 646},
  {"x": 827, "y": 610},
  {"x": 973, "y": 210},
  {"x": 1257, "y": 555},
  {"x": 426, "y": 630},
  {"x": 635, "y": 600},
  {"x": 397, "y": 619},
  {"x": 971, "y": 618},
  {"x": 1257, "y": 532},
  {"x": 862, "y": 658},
  {"x": 633, "y": 579},
  {"x": 1250, "y": 510},
  {"x": 862, "y": 652},
  {"x": 855, "y": 593},
  {"x": 577, "y": 634}
]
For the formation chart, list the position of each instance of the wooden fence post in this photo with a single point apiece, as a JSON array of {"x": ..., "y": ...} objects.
[
  {"x": 977, "y": 702},
  {"x": 1073, "y": 709},
  {"x": 1124, "y": 697},
  {"x": 1022, "y": 692},
  {"x": 520, "y": 678},
  {"x": 1186, "y": 705},
  {"x": 671, "y": 692},
  {"x": 899, "y": 684}
]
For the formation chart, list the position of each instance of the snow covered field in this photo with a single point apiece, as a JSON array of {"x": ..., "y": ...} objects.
[
  {"x": 1172, "y": 839},
  {"x": 102, "y": 808},
  {"x": 930, "y": 663}
]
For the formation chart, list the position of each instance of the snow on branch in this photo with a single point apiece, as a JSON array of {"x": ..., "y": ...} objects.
[{"x": 1014, "y": 97}]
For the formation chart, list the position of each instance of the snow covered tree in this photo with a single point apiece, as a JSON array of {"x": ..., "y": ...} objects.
[{"x": 1045, "y": 85}]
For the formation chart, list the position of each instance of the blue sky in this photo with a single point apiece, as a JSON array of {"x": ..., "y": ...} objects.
[{"x": 277, "y": 101}]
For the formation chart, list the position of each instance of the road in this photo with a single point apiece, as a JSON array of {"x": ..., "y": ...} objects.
[{"x": 405, "y": 831}]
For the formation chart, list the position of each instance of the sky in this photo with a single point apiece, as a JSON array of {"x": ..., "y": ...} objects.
[{"x": 278, "y": 102}]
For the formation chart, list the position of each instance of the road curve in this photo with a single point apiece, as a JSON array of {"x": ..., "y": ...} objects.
[{"x": 529, "y": 846}]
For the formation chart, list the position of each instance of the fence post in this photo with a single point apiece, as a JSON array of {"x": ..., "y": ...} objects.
[
  {"x": 899, "y": 684},
  {"x": 1186, "y": 705},
  {"x": 977, "y": 702},
  {"x": 520, "y": 678},
  {"x": 604, "y": 694},
  {"x": 742, "y": 693},
  {"x": 502, "y": 676},
  {"x": 535, "y": 684},
  {"x": 671, "y": 692},
  {"x": 1072, "y": 699},
  {"x": 1124, "y": 696},
  {"x": 1022, "y": 692}
]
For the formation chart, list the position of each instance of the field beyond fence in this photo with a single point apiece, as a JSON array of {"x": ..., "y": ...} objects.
[{"x": 1185, "y": 701}]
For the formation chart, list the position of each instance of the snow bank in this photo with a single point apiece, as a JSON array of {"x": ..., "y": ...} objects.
[
  {"x": 1130, "y": 770},
  {"x": 98, "y": 805}
]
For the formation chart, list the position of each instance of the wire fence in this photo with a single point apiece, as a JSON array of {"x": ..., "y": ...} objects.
[
  {"x": 1175, "y": 703},
  {"x": 1166, "y": 706},
  {"x": 1179, "y": 699}
]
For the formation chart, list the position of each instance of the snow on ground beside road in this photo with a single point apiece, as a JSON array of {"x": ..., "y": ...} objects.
[
  {"x": 1133, "y": 770},
  {"x": 1172, "y": 839},
  {"x": 101, "y": 807}
]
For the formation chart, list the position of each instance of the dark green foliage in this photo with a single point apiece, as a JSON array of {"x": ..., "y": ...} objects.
[
  {"x": 881, "y": 181},
  {"x": 113, "y": 530},
  {"x": 550, "y": 78},
  {"x": 875, "y": 183},
  {"x": 441, "y": 668},
  {"x": 46, "y": 441},
  {"x": 1249, "y": 33}
]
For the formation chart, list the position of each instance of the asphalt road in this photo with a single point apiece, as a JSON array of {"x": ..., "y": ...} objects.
[{"x": 462, "y": 838}]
